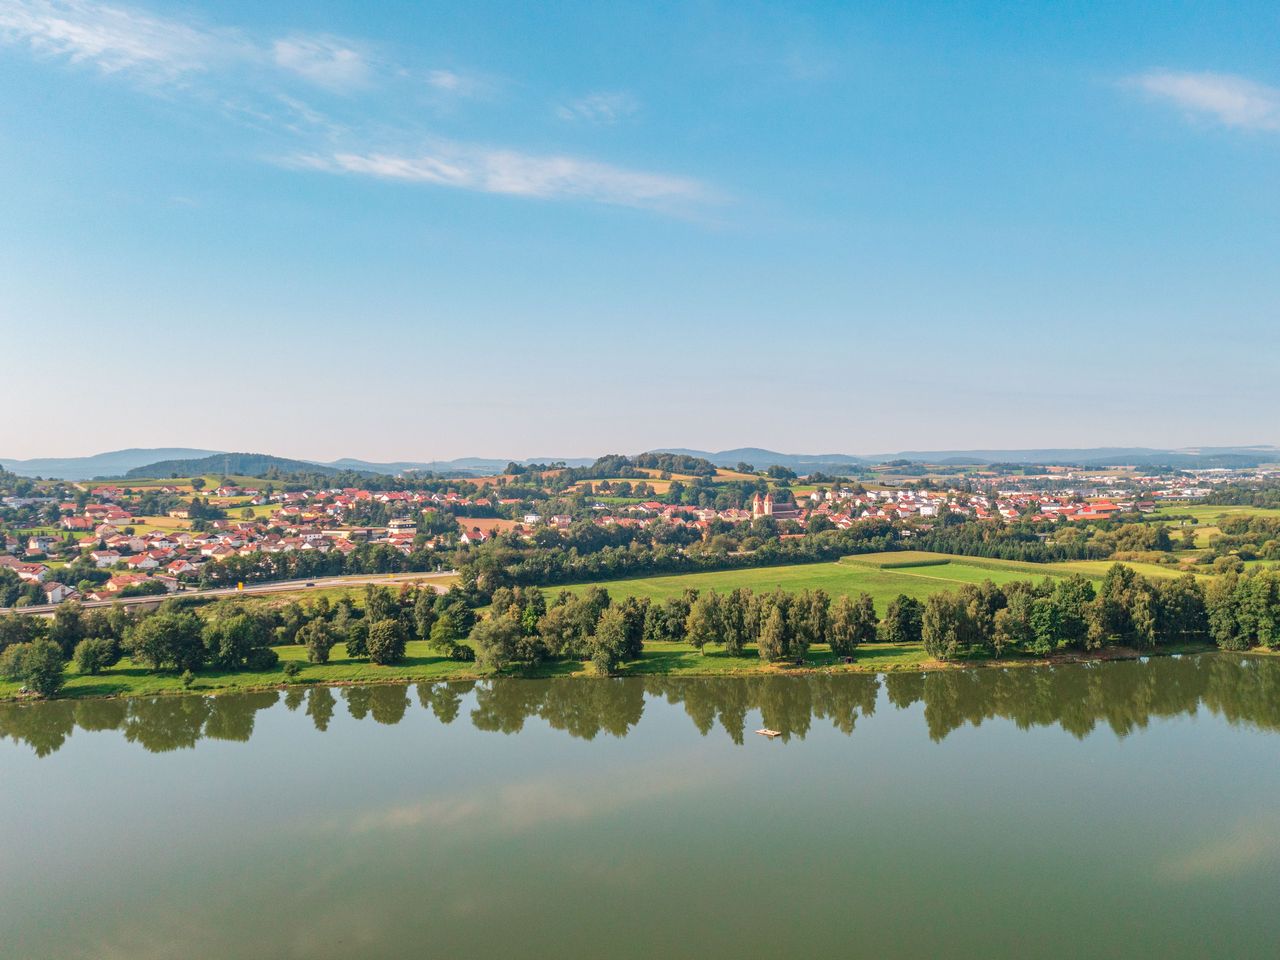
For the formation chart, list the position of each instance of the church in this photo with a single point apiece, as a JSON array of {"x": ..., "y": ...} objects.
[{"x": 766, "y": 506}]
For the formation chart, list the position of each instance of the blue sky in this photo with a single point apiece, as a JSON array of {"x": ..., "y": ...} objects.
[{"x": 402, "y": 230}]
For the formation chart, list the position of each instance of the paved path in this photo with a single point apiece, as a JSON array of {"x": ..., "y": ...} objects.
[{"x": 257, "y": 589}]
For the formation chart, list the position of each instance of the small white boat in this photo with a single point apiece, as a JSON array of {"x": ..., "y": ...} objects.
[{"x": 766, "y": 732}]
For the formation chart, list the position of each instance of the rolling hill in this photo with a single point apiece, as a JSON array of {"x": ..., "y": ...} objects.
[
  {"x": 109, "y": 464},
  {"x": 228, "y": 464}
]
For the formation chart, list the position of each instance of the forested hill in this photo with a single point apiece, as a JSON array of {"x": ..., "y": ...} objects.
[{"x": 230, "y": 464}]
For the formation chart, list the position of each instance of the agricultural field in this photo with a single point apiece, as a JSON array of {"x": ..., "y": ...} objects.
[
  {"x": 1209, "y": 513},
  {"x": 884, "y": 576},
  {"x": 661, "y": 487},
  {"x": 153, "y": 524},
  {"x": 339, "y": 591},
  {"x": 488, "y": 524},
  {"x": 181, "y": 484},
  {"x": 1097, "y": 569}
]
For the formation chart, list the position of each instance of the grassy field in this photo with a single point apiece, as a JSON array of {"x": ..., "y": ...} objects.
[
  {"x": 182, "y": 484},
  {"x": 918, "y": 561},
  {"x": 1096, "y": 569},
  {"x": 158, "y": 524},
  {"x": 336, "y": 593},
  {"x": 127, "y": 679},
  {"x": 883, "y": 575},
  {"x": 1211, "y": 513},
  {"x": 660, "y": 487},
  {"x": 869, "y": 573}
]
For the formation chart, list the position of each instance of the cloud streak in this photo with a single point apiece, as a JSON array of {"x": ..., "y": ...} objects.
[
  {"x": 604, "y": 109},
  {"x": 113, "y": 38},
  {"x": 252, "y": 79},
  {"x": 120, "y": 39},
  {"x": 1231, "y": 100},
  {"x": 511, "y": 172},
  {"x": 328, "y": 62}
]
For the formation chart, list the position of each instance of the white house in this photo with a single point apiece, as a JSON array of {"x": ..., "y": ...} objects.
[{"x": 57, "y": 592}]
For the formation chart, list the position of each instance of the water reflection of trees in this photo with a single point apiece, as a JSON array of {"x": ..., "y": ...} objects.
[
  {"x": 1078, "y": 698},
  {"x": 157, "y": 724}
]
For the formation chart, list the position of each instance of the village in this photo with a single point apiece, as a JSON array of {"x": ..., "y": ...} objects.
[{"x": 144, "y": 555}]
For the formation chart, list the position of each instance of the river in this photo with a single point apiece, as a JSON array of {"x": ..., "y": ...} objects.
[{"x": 1087, "y": 810}]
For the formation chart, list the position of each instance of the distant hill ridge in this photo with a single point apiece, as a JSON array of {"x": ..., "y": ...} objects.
[
  {"x": 1191, "y": 457},
  {"x": 228, "y": 464},
  {"x": 109, "y": 464},
  {"x": 184, "y": 461}
]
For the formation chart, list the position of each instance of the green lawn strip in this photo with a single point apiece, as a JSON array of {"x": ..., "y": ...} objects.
[
  {"x": 421, "y": 664},
  {"x": 1211, "y": 513},
  {"x": 836, "y": 578},
  {"x": 127, "y": 679},
  {"x": 919, "y": 562}
]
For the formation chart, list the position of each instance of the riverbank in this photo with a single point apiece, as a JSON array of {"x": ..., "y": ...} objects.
[{"x": 420, "y": 664}]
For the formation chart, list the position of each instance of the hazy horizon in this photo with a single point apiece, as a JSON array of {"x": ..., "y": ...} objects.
[
  {"x": 589, "y": 455},
  {"x": 323, "y": 230}
]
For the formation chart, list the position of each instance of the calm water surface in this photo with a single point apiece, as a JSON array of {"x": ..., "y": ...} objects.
[{"x": 1112, "y": 810}]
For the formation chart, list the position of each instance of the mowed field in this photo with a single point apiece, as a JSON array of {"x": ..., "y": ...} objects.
[
  {"x": 182, "y": 484},
  {"x": 1208, "y": 516},
  {"x": 882, "y": 575},
  {"x": 1212, "y": 513},
  {"x": 487, "y": 524}
]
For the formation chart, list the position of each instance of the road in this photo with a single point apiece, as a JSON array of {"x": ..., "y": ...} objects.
[{"x": 258, "y": 589}]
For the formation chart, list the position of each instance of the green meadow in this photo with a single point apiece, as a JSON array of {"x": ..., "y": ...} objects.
[
  {"x": 884, "y": 576},
  {"x": 127, "y": 679},
  {"x": 1212, "y": 513}
]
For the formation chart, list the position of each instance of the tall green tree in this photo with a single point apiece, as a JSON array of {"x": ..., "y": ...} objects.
[
  {"x": 386, "y": 641},
  {"x": 172, "y": 638},
  {"x": 319, "y": 637},
  {"x": 496, "y": 641},
  {"x": 902, "y": 620},
  {"x": 945, "y": 625},
  {"x": 772, "y": 644},
  {"x": 703, "y": 623},
  {"x": 608, "y": 644},
  {"x": 38, "y": 665}
]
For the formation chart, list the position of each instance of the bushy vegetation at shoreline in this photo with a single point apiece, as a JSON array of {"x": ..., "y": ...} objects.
[{"x": 417, "y": 633}]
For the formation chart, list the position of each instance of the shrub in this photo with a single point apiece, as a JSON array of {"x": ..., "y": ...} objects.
[
  {"x": 386, "y": 641},
  {"x": 261, "y": 658},
  {"x": 38, "y": 665},
  {"x": 291, "y": 668},
  {"x": 94, "y": 654},
  {"x": 319, "y": 638},
  {"x": 357, "y": 637}
]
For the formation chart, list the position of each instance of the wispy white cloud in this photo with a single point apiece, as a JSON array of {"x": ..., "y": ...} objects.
[
  {"x": 445, "y": 80},
  {"x": 328, "y": 62},
  {"x": 121, "y": 39},
  {"x": 1231, "y": 100},
  {"x": 511, "y": 172},
  {"x": 254, "y": 80},
  {"x": 451, "y": 84},
  {"x": 604, "y": 108},
  {"x": 113, "y": 38}
]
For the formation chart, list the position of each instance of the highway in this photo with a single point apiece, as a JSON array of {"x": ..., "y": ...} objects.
[{"x": 259, "y": 589}]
